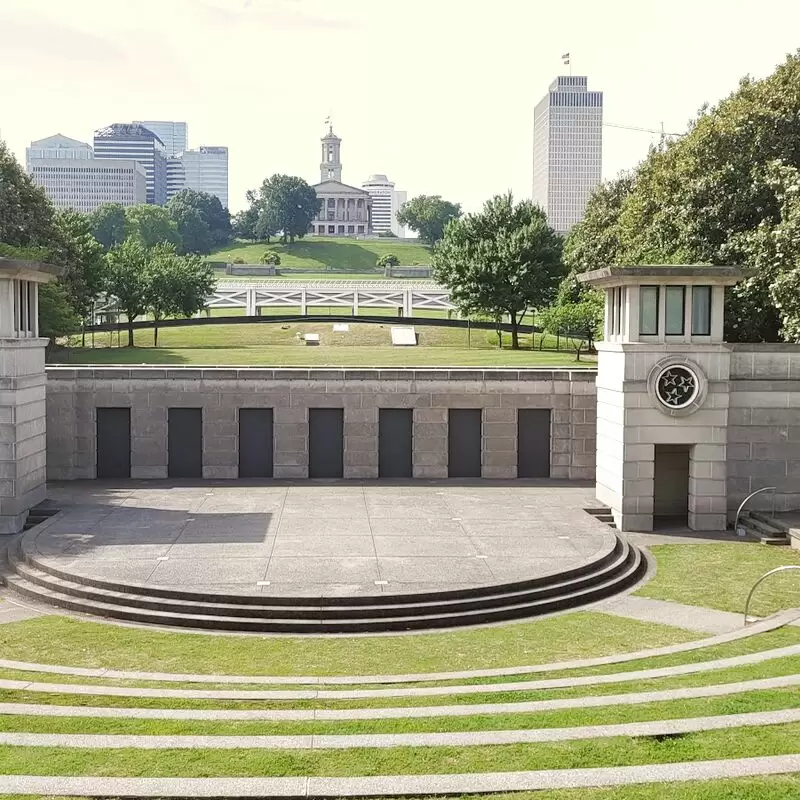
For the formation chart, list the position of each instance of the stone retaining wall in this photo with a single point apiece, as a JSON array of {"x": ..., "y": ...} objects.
[
  {"x": 74, "y": 393},
  {"x": 764, "y": 424}
]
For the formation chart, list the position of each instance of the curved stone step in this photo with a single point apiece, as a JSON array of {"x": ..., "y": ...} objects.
[
  {"x": 100, "y": 690},
  {"x": 614, "y": 572},
  {"x": 26, "y": 545},
  {"x": 317, "y": 788},
  {"x": 221, "y": 605},
  {"x": 398, "y": 712},
  {"x": 632, "y": 573},
  {"x": 492, "y": 738}
]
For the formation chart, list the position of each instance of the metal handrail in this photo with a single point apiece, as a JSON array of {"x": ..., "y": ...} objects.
[
  {"x": 748, "y": 499},
  {"x": 766, "y": 575}
]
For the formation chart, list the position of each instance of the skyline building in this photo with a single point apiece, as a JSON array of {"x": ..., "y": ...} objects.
[
  {"x": 84, "y": 184},
  {"x": 134, "y": 142},
  {"x": 386, "y": 202},
  {"x": 567, "y": 150},
  {"x": 58, "y": 146},
  {"x": 206, "y": 170},
  {"x": 174, "y": 135}
]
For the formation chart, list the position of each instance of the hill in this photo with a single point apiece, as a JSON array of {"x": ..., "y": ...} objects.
[{"x": 319, "y": 252}]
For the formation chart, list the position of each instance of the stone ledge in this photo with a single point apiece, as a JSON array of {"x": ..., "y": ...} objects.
[{"x": 88, "y": 372}]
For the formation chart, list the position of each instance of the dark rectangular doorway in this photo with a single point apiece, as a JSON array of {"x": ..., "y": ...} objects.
[
  {"x": 671, "y": 485},
  {"x": 395, "y": 431},
  {"x": 255, "y": 443},
  {"x": 533, "y": 443},
  {"x": 325, "y": 442},
  {"x": 185, "y": 443},
  {"x": 113, "y": 443},
  {"x": 464, "y": 443}
]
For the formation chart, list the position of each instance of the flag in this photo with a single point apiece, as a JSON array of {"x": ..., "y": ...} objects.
[
  {"x": 565, "y": 58},
  {"x": 327, "y": 120}
]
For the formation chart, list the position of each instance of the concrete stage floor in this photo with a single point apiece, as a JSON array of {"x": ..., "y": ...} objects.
[{"x": 320, "y": 538}]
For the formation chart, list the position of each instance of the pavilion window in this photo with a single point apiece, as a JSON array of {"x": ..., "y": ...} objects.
[
  {"x": 648, "y": 310},
  {"x": 675, "y": 305},
  {"x": 701, "y": 310}
]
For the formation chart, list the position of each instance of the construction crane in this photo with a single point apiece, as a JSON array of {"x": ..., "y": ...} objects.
[{"x": 641, "y": 130}]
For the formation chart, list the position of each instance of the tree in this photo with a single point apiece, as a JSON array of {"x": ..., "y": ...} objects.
[
  {"x": 127, "y": 279},
  {"x": 594, "y": 241},
  {"x": 108, "y": 224},
  {"x": 244, "y": 223},
  {"x": 26, "y": 214},
  {"x": 175, "y": 284},
  {"x": 151, "y": 225},
  {"x": 389, "y": 260},
  {"x": 213, "y": 216},
  {"x": 428, "y": 215},
  {"x": 289, "y": 204},
  {"x": 57, "y": 317},
  {"x": 504, "y": 260},
  {"x": 270, "y": 257},
  {"x": 580, "y": 320},
  {"x": 194, "y": 233},
  {"x": 75, "y": 248},
  {"x": 713, "y": 196},
  {"x": 267, "y": 225}
]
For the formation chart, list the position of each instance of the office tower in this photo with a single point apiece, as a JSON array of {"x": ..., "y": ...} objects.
[
  {"x": 206, "y": 170},
  {"x": 72, "y": 178},
  {"x": 386, "y": 202},
  {"x": 567, "y": 150},
  {"x": 85, "y": 184},
  {"x": 174, "y": 135},
  {"x": 176, "y": 176},
  {"x": 136, "y": 143},
  {"x": 58, "y": 146}
]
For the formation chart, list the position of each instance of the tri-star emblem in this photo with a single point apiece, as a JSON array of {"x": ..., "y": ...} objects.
[{"x": 676, "y": 386}]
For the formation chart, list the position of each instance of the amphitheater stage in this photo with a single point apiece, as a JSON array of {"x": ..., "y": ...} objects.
[{"x": 466, "y": 546}]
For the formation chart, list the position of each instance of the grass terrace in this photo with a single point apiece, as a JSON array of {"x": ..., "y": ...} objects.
[
  {"x": 325, "y": 256},
  {"x": 281, "y": 344}
]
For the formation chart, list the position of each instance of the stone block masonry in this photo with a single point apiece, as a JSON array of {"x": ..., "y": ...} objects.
[
  {"x": 22, "y": 430},
  {"x": 74, "y": 394}
]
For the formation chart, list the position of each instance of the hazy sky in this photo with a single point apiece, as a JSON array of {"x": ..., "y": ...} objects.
[{"x": 437, "y": 94}]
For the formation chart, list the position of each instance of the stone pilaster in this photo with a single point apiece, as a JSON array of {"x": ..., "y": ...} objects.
[
  {"x": 360, "y": 443},
  {"x": 430, "y": 449},
  {"x": 290, "y": 431},
  {"x": 23, "y": 439}
]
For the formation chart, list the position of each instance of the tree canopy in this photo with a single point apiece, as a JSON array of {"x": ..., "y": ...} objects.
[
  {"x": 151, "y": 225},
  {"x": 203, "y": 223},
  {"x": 108, "y": 224},
  {"x": 428, "y": 215},
  {"x": 284, "y": 204},
  {"x": 504, "y": 260},
  {"x": 718, "y": 195}
]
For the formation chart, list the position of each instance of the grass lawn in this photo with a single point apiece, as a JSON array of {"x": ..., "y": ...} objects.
[
  {"x": 721, "y": 575},
  {"x": 756, "y": 701},
  {"x": 615, "y": 751},
  {"x": 280, "y": 344},
  {"x": 62, "y": 640},
  {"x": 320, "y": 252}
]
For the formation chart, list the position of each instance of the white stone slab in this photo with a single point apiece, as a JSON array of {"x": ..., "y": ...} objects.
[
  {"x": 404, "y": 336},
  {"x": 341, "y": 327}
]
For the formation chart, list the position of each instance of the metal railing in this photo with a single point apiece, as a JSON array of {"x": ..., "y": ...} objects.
[
  {"x": 747, "y": 500},
  {"x": 766, "y": 575}
]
